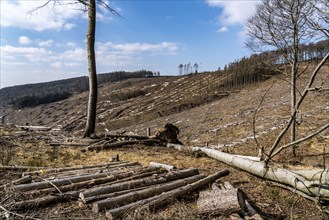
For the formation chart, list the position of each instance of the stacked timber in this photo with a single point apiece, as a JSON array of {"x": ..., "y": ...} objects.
[{"x": 110, "y": 189}]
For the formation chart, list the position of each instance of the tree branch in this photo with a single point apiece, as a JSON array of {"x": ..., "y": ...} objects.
[{"x": 300, "y": 140}]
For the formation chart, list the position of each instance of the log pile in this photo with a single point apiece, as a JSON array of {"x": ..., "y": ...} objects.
[{"x": 111, "y": 189}]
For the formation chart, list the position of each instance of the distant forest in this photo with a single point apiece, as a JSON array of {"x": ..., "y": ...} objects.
[
  {"x": 262, "y": 66},
  {"x": 30, "y": 95}
]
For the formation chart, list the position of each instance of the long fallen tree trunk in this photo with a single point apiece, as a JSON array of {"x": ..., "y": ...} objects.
[
  {"x": 164, "y": 198},
  {"x": 280, "y": 175}
]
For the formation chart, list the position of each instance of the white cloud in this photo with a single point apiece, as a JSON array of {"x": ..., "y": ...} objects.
[
  {"x": 46, "y": 43},
  {"x": 234, "y": 12},
  {"x": 77, "y": 55},
  {"x": 18, "y": 14},
  {"x": 24, "y": 40},
  {"x": 223, "y": 29},
  {"x": 160, "y": 48},
  {"x": 33, "y": 54},
  {"x": 57, "y": 64},
  {"x": 71, "y": 44}
]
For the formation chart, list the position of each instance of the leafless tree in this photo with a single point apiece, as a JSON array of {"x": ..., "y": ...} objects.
[
  {"x": 282, "y": 25},
  {"x": 90, "y": 6},
  {"x": 180, "y": 69},
  {"x": 196, "y": 67}
]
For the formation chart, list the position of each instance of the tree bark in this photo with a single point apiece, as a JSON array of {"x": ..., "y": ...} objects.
[
  {"x": 143, "y": 194},
  {"x": 92, "y": 102},
  {"x": 164, "y": 198}
]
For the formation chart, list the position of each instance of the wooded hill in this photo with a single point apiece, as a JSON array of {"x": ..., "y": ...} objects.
[{"x": 40, "y": 93}]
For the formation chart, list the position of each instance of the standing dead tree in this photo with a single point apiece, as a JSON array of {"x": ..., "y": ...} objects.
[
  {"x": 90, "y": 7},
  {"x": 285, "y": 25}
]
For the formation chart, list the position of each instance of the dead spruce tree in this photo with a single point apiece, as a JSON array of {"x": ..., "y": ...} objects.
[
  {"x": 90, "y": 7},
  {"x": 284, "y": 25}
]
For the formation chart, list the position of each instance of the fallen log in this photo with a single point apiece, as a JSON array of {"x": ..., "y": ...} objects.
[
  {"x": 109, "y": 195},
  {"x": 25, "y": 179},
  {"x": 143, "y": 194},
  {"x": 280, "y": 175},
  {"x": 164, "y": 198},
  {"x": 64, "y": 169},
  {"x": 126, "y": 136},
  {"x": 120, "y": 144},
  {"x": 139, "y": 183},
  {"x": 46, "y": 200},
  {"x": 34, "y": 128},
  {"x": 61, "y": 182},
  {"x": 105, "y": 196},
  {"x": 163, "y": 166},
  {"x": 113, "y": 178},
  {"x": 20, "y": 168}
]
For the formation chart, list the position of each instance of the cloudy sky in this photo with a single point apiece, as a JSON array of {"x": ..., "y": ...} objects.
[{"x": 157, "y": 35}]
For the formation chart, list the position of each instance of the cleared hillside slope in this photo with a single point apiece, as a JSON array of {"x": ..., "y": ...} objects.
[{"x": 205, "y": 111}]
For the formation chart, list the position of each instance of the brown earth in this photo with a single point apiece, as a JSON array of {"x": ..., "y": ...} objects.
[{"x": 205, "y": 115}]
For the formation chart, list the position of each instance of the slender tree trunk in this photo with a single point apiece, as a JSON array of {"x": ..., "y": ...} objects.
[
  {"x": 293, "y": 105},
  {"x": 294, "y": 69},
  {"x": 92, "y": 103}
]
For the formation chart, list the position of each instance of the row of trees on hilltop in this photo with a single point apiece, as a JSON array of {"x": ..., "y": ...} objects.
[
  {"x": 184, "y": 69},
  {"x": 261, "y": 66}
]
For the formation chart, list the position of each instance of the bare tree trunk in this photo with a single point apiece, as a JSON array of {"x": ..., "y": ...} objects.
[
  {"x": 286, "y": 177},
  {"x": 92, "y": 103},
  {"x": 292, "y": 107}
]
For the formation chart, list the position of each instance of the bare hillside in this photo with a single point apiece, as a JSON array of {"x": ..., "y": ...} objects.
[{"x": 206, "y": 114}]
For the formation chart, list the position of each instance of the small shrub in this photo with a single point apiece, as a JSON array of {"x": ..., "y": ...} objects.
[{"x": 6, "y": 155}]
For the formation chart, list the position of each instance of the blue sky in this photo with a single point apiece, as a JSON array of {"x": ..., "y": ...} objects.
[{"x": 155, "y": 35}]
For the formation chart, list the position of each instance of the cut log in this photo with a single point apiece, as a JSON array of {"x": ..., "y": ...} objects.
[
  {"x": 139, "y": 183},
  {"x": 126, "y": 136},
  {"x": 46, "y": 200},
  {"x": 35, "y": 128},
  {"x": 64, "y": 169},
  {"x": 62, "y": 182},
  {"x": 25, "y": 179},
  {"x": 106, "y": 196},
  {"x": 226, "y": 201},
  {"x": 164, "y": 198},
  {"x": 20, "y": 168},
  {"x": 113, "y": 178},
  {"x": 143, "y": 194},
  {"x": 120, "y": 144},
  {"x": 161, "y": 165},
  {"x": 283, "y": 176}
]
